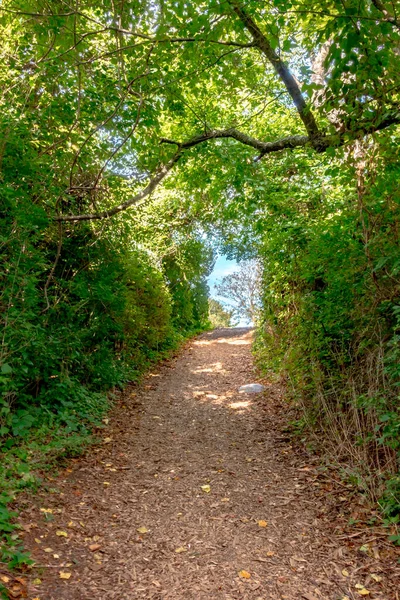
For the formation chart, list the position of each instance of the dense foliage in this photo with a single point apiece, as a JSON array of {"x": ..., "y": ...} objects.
[
  {"x": 219, "y": 315},
  {"x": 277, "y": 126},
  {"x": 331, "y": 305}
]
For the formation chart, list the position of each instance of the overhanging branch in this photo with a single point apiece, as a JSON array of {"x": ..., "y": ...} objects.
[
  {"x": 293, "y": 141},
  {"x": 161, "y": 173},
  {"x": 264, "y": 148}
]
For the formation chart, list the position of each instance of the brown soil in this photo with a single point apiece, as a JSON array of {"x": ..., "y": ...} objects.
[{"x": 135, "y": 518}]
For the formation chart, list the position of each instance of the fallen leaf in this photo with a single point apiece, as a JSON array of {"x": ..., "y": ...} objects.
[
  {"x": 106, "y": 483},
  {"x": 362, "y": 590},
  {"x": 244, "y": 574},
  {"x": 65, "y": 574},
  {"x": 94, "y": 547},
  {"x": 270, "y": 553},
  {"x": 376, "y": 577},
  {"x": 206, "y": 488},
  {"x": 61, "y": 533},
  {"x": 142, "y": 529},
  {"x": 345, "y": 573},
  {"x": 224, "y": 499},
  {"x": 56, "y": 556},
  {"x": 48, "y": 549},
  {"x": 37, "y": 581},
  {"x": 181, "y": 549},
  {"x": 71, "y": 524},
  {"x": 38, "y": 541},
  {"x": 262, "y": 523},
  {"x": 4, "y": 578},
  {"x": 46, "y": 510},
  {"x": 107, "y": 440}
]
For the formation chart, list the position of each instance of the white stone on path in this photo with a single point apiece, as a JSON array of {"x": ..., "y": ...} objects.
[{"x": 251, "y": 388}]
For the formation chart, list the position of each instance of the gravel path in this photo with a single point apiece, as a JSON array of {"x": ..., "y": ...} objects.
[{"x": 196, "y": 494}]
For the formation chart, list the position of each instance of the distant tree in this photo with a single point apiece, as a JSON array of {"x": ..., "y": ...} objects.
[
  {"x": 218, "y": 315},
  {"x": 242, "y": 288}
]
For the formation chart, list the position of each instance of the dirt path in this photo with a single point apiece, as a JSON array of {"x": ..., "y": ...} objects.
[{"x": 197, "y": 495}]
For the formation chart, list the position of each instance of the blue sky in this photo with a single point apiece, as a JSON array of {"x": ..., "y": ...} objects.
[{"x": 223, "y": 267}]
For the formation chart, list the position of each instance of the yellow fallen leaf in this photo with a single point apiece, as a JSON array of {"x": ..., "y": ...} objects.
[
  {"x": 262, "y": 523},
  {"x": 106, "y": 483},
  {"x": 345, "y": 573},
  {"x": 61, "y": 533},
  {"x": 37, "y": 581},
  {"x": 376, "y": 577},
  {"x": 38, "y": 541},
  {"x": 107, "y": 440},
  {"x": 4, "y": 578},
  {"x": 71, "y": 524},
  {"x": 46, "y": 510},
  {"x": 65, "y": 575},
  {"x": 206, "y": 488},
  {"x": 244, "y": 574},
  {"x": 56, "y": 556},
  {"x": 224, "y": 499},
  {"x": 36, "y": 598},
  {"x": 181, "y": 549},
  {"x": 362, "y": 590},
  {"x": 142, "y": 529},
  {"x": 270, "y": 553},
  {"x": 48, "y": 549}
]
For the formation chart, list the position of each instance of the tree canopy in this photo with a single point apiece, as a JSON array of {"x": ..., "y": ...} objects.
[{"x": 110, "y": 95}]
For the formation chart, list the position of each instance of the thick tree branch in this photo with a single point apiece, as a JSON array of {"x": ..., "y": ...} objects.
[
  {"x": 293, "y": 141},
  {"x": 261, "y": 42}
]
